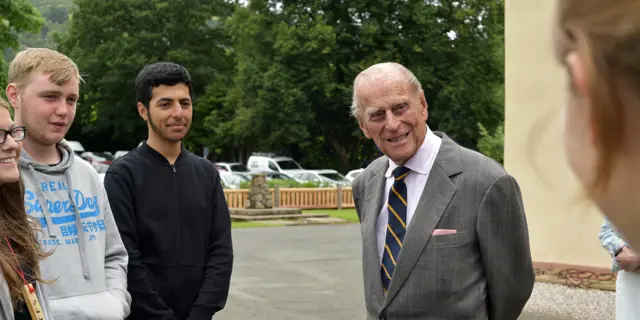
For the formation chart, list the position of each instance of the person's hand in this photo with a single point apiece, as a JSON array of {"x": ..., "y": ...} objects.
[{"x": 628, "y": 259}]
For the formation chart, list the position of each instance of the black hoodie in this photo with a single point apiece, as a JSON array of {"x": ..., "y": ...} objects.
[{"x": 175, "y": 223}]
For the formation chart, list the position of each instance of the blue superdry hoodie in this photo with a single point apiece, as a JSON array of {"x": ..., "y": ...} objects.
[{"x": 89, "y": 261}]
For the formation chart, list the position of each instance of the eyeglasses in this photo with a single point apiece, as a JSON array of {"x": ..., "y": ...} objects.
[{"x": 17, "y": 133}]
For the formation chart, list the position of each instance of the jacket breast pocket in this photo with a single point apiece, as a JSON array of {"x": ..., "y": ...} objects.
[{"x": 448, "y": 240}]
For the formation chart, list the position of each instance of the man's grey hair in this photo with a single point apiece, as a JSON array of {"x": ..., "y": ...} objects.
[{"x": 386, "y": 71}]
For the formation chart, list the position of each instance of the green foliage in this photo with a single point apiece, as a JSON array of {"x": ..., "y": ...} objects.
[
  {"x": 492, "y": 143},
  {"x": 347, "y": 214},
  {"x": 295, "y": 67},
  {"x": 276, "y": 76},
  {"x": 3, "y": 76},
  {"x": 112, "y": 40},
  {"x": 16, "y": 16}
]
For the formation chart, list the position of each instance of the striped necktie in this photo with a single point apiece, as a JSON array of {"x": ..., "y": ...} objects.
[{"x": 397, "y": 226}]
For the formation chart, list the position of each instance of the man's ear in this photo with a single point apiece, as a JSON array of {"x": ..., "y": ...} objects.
[
  {"x": 364, "y": 130},
  {"x": 143, "y": 112},
  {"x": 13, "y": 95},
  {"x": 423, "y": 105}
]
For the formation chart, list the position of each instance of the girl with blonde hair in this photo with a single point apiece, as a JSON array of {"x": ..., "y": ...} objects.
[{"x": 599, "y": 44}]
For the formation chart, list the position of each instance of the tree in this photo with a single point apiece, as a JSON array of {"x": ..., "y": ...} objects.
[
  {"x": 15, "y": 16},
  {"x": 296, "y": 61},
  {"x": 112, "y": 40},
  {"x": 277, "y": 75},
  {"x": 492, "y": 143}
]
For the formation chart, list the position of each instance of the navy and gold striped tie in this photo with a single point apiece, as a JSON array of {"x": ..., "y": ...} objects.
[{"x": 397, "y": 226}]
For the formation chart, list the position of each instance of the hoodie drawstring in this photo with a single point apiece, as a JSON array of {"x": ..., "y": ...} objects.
[
  {"x": 81, "y": 242},
  {"x": 78, "y": 221},
  {"x": 43, "y": 205}
]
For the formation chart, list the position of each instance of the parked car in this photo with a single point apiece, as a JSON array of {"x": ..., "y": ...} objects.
[
  {"x": 271, "y": 175},
  {"x": 99, "y": 157},
  {"x": 99, "y": 160},
  {"x": 76, "y": 146},
  {"x": 327, "y": 176},
  {"x": 232, "y": 180},
  {"x": 265, "y": 162},
  {"x": 232, "y": 166},
  {"x": 353, "y": 174}
]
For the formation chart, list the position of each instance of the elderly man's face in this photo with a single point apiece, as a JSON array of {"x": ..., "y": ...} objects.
[{"x": 394, "y": 117}]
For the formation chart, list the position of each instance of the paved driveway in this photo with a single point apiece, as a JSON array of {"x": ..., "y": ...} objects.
[{"x": 299, "y": 273}]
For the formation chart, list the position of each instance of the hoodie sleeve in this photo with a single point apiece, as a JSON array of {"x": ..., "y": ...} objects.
[
  {"x": 217, "y": 274},
  {"x": 43, "y": 297},
  {"x": 146, "y": 302},
  {"x": 116, "y": 258},
  {"x": 612, "y": 242}
]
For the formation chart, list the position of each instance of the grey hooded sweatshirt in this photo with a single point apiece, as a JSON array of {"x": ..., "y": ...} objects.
[{"x": 89, "y": 260}]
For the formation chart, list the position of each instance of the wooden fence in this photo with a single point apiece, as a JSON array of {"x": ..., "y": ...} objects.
[{"x": 304, "y": 198}]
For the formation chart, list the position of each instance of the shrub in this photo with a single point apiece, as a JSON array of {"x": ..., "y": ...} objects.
[{"x": 492, "y": 144}]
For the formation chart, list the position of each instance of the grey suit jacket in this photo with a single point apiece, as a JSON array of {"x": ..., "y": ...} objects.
[{"x": 484, "y": 271}]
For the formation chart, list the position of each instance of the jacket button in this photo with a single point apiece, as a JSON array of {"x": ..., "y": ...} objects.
[{"x": 383, "y": 317}]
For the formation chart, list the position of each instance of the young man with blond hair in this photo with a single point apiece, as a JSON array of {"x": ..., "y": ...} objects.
[{"x": 64, "y": 193}]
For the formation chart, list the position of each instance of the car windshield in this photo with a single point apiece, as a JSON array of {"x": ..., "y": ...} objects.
[
  {"x": 333, "y": 176},
  {"x": 288, "y": 165},
  {"x": 239, "y": 167}
]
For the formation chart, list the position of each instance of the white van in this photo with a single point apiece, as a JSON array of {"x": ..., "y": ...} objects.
[{"x": 265, "y": 162}]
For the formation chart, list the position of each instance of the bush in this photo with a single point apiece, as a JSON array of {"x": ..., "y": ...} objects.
[
  {"x": 287, "y": 184},
  {"x": 492, "y": 144}
]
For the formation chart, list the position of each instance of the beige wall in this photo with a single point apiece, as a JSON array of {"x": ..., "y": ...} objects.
[{"x": 562, "y": 228}]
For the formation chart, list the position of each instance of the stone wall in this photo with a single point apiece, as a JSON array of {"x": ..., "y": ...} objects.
[{"x": 259, "y": 193}]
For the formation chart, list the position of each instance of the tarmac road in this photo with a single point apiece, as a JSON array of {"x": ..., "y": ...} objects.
[{"x": 306, "y": 273}]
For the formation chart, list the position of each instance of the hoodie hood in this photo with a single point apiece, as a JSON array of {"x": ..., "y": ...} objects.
[
  {"x": 67, "y": 161},
  {"x": 35, "y": 169}
]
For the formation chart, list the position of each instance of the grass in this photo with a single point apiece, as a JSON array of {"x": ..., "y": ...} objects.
[
  {"x": 250, "y": 224},
  {"x": 347, "y": 214}
]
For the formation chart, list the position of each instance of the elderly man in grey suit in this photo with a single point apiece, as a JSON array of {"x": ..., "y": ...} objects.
[{"x": 443, "y": 227}]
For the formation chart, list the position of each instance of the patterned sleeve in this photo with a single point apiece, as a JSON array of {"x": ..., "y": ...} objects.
[{"x": 611, "y": 241}]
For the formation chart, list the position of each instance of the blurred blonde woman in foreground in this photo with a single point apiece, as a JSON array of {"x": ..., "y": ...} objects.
[
  {"x": 599, "y": 44},
  {"x": 19, "y": 251}
]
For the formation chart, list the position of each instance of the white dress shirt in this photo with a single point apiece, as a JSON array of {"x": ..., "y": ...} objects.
[{"x": 420, "y": 165}]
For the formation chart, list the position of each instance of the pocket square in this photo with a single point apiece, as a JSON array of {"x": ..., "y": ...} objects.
[{"x": 443, "y": 232}]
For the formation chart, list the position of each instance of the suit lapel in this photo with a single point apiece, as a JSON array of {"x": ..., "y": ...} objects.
[
  {"x": 434, "y": 200},
  {"x": 373, "y": 201}
]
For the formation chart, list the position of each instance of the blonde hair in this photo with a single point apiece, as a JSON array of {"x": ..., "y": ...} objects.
[
  {"x": 60, "y": 67},
  {"x": 606, "y": 35},
  {"x": 389, "y": 71}
]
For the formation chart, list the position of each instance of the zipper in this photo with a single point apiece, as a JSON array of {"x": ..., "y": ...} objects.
[{"x": 177, "y": 211}]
